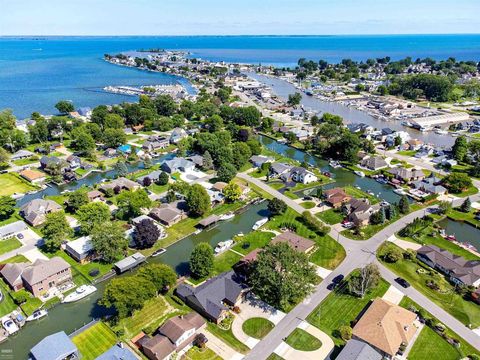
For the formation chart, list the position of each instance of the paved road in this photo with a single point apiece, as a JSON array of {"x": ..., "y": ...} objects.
[{"x": 359, "y": 254}]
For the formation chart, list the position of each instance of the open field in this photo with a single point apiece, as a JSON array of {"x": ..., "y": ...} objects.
[{"x": 12, "y": 183}]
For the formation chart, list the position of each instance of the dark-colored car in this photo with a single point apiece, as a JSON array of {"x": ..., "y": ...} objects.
[
  {"x": 332, "y": 286},
  {"x": 307, "y": 197},
  {"x": 338, "y": 279},
  {"x": 404, "y": 283}
]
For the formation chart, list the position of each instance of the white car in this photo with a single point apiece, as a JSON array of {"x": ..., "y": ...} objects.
[{"x": 348, "y": 225}]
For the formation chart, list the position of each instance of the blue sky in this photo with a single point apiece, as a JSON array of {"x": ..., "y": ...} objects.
[{"x": 227, "y": 17}]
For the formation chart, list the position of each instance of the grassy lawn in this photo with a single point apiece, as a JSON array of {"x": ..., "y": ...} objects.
[
  {"x": 290, "y": 194},
  {"x": 331, "y": 216},
  {"x": 158, "y": 189},
  {"x": 225, "y": 261},
  {"x": 23, "y": 162},
  {"x": 9, "y": 245},
  {"x": 466, "y": 217},
  {"x": 274, "y": 356},
  {"x": 257, "y": 328},
  {"x": 276, "y": 185},
  {"x": 94, "y": 341},
  {"x": 7, "y": 305},
  {"x": 228, "y": 338},
  {"x": 366, "y": 232},
  {"x": 12, "y": 183},
  {"x": 196, "y": 353},
  {"x": 308, "y": 204},
  {"x": 252, "y": 241},
  {"x": 430, "y": 343},
  {"x": 152, "y": 315},
  {"x": 329, "y": 253},
  {"x": 15, "y": 259},
  {"x": 407, "y": 152},
  {"x": 31, "y": 305},
  {"x": 472, "y": 190},
  {"x": 359, "y": 194},
  {"x": 465, "y": 311},
  {"x": 301, "y": 340},
  {"x": 340, "y": 308}
]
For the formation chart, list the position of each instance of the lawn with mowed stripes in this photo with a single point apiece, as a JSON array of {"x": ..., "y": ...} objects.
[{"x": 95, "y": 341}]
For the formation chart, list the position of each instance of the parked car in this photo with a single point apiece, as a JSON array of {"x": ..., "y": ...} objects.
[
  {"x": 338, "y": 279},
  {"x": 20, "y": 236},
  {"x": 348, "y": 224},
  {"x": 307, "y": 198},
  {"x": 404, "y": 283}
]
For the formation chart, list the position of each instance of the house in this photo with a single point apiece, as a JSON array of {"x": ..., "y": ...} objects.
[
  {"x": 359, "y": 211},
  {"x": 197, "y": 160},
  {"x": 85, "y": 111},
  {"x": 80, "y": 249},
  {"x": 279, "y": 169},
  {"x": 167, "y": 214},
  {"x": 386, "y": 326},
  {"x": 175, "y": 336},
  {"x": 414, "y": 144},
  {"x": 295, "y": 241},
  {"x": 74, "y": 162},
  {"x": 48, "y": 161},
  {"x": 110, "y": 152},
  {"x": 178, "y": 164},
  {"x": 336, "y": 197},
  {"x": 177, "y": 135},
  {"x": 34, "y": 212},
  {"x": 219, "y": 186},
  {"x": 94, "y": 195},
  {"x": 153, "y": 176},
  {"x": 129, "y": 262},
  {"x": 155, "y": 143},
  {"x": 301, "y": 175},
  {"x": 120, "y": 183},
  {"x": 118, "y": 351},
  {"x": 374, "y": 163},
  {"x": 33, "y": 176},
  {"x": 39, "y": 277},
  {"x": 259, "y": 160},
  {"x": 214, "y": 297},
  {"x": 21, "y": 154},
  {"x": 359, "y": 350},
  {"x": 458, "y": 269},
  {"x": 430, "y": 185},
  {"x": 13, "y": 229},
  {"x": 407, "y": 175},
  {"x": 57, "y": 346}
]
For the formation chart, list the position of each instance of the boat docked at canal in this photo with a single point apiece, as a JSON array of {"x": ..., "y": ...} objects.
[
  {"x": 334, "y": 164},
  {"x": 37, "y": 314},
  {"x": 9, "y": 325},
  {"x": 159, "y": 252},
  {"x": 259, "y": 223},
  {"x": 223, "y": 246},
  {"x": 80, "y": 293},
  {"x": 359, "y": 173},
  {"x": 400, "y": 192},
  {"x": 227, "y": 216}
]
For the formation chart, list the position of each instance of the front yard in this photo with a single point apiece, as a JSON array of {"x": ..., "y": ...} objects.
[
  {"x": 417, "y": 274},
  {"x": 227, "y": 337},
  {"x": 94, "y": 341},
  {"x": 9, "y": 245},
  {"x": 301, "y": 340},
  {"x": 331, "y": 216},
  {"x": 257, "y": 328}
]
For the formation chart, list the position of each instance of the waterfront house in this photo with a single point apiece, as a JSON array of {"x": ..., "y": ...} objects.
[
  {"x": 95, "y": 195},
  {"x": 300, "y": 175},
  {"x": 459, "y": 270},
  {"x": 175, "y": 336},
  {"x": 33, "y": 176},
  {"x": 359, "y": 350},
  {"x": 279, "y": 169},
  {"x": 295, "y": 241},
  {"x": 34, "y": 212},
  {"x": 177, "y": 135},
  {"x": 13, "y": 229},
  {"x": 213, "y": 298},
  {"x": 336, "y": 197},
  {"x": 259, "y": 160},
  {"x": 359, "y": 211},
  {"x": 57, "y": 346},
  {"x": 155, "y": 143},
  {"x": 39, "y": 277},
  {"x": 407, "y": 175},
  {"x": 430, "y": 185},
  {"x": 74, "y": 162},
  {"x": 120, "y": 183},
  {"x": 178, "y": 164},
  {"x": 374, "y": 163},
  {"x": 48, "y": 161},
  {"x": 80, "y": 249},
  {"x": 21, "y": 154},
  {"x": 386, "y": 327},
  {"x": 167, "y": 214},
  {"x": 118, "y": 351},
  {"x": 129, "y": 262}
]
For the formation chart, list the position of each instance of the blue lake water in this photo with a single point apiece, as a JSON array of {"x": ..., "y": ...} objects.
[{"x": 37, "y": 72}]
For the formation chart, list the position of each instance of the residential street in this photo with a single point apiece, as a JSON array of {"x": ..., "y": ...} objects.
[{"x": 359, "y": 254}]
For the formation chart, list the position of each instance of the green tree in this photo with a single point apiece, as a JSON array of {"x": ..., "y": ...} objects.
[
  {"x": 201, "y": 260},
  {"x": 232, "y": 192},
  {"x": 121, "y": 168},
  {"x": 7, "y": 207},
  {"x": 457, "y": 182},
  {"x": 131, "y": 203},
  {"x": 91, "y": 215},
  {"x": 466, "y": 205},
  {"x": 294, "y": 99},
  {"x": 207, "y": 161},
  {"x": 241, "y": 154},
  {"x": 127, "y": 294},
  {"x": 365, "y": 280},
  {"x": 345, "y": 332},
  {"x": 444, "y": 207},
  {"x": 64, "y": 107},
  {"x": 282, "y": 276},
  {"x": 109, "y": 241},
  {"x": 276, "y": 206},
  {"x": 163, "y": 178},
  {"x": 113, "y": 138},
  {"x": 165, "y": 105},
  {"x": 198, "y": 200},
  {"x": 56, "y": 230},
  {"x": 404, "y": 205},
  {"x": 77, "y": 199},
  {"x": 392, "y": 254},
  {"x": 460, "y": 148},
  {"x": 226, "y": 172},
  {"x": 161, "y": 275},
  {"x": 82, "y": 141},
  {"x": 114, "y": 121}
]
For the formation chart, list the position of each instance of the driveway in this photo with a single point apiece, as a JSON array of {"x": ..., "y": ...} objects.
[
  {"x": 220, "y": 348},
  {"x": 30, "y": 242},
  {"x": 393, "y": 295}
]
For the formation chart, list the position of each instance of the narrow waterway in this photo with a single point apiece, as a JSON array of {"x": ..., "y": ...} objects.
[
  {"x": 283, "y": 88},
  {"x": 464, "y": 232}
]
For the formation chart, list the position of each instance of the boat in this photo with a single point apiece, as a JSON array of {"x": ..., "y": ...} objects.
[
  {"x": 359, "y": 173},
  {"x": 334, "y": 164},
  {"x": 240, "y": 234},
  {"x": 223, "y": 245},
  {"x": 399, "y": 191},
  {"x": 451, "y": 238},
  {"x": 9, "y": 325},
  {"x": 358, "y": 187},
  {"x": 159, "y": 252},
  {"x": 227, "y": 216},
  {"x": 370, "y": 192},
  {"x": 198, "y": 231},
  {"x": 65, "y": 192},
  {"x": 80, "y": 293},
  {"x": 37, "y": 314},
  {"x": 441, "y": 132},
  {"x": 259, "y": 223},
  {"x": 406, "y": 123}
]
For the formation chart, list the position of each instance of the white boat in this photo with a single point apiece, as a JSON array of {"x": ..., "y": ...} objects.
[
  {"x": 370, "y": 192},
  {"x": 37, "y": 314},
  {"x": 359, "y": 173},
  {"x": 222, "y": 246},
  {"x": 399, "y": 191},
  {"x": 441, "y": 132},
  {"x": 259, "y": 223},
  {"x": 406, "y": 123},
  {"x": 159, "y": 252},
  {"x": 240, "y": 234},
  {"x": 9, "y": 325},
  {"x": 227, "y": 216},
  {"x": 80, "y": 293},
  {"x": 334, "y": 164}
]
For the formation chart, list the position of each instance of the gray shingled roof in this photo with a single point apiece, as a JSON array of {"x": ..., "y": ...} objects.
[
  {"x": 359, "y": 350},
  {"x": 41, "y": 269},
  {"x": 54, "y": 347}
]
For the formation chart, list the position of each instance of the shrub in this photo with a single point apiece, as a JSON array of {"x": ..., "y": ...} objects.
[
  {"x": 392, "y": 254},
  {"x": 20, "y": 296},
  {"x": 345, "y": 332}
]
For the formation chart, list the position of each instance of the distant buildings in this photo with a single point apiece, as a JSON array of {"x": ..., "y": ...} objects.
[
  {"x": 407, "y": 175},
  {"x": 374, "y": 163}
]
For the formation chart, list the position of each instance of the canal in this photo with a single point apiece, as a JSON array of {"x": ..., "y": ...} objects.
[
  {"x": 283, "y": 88},
  {"x": 464, "y": 232}
]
